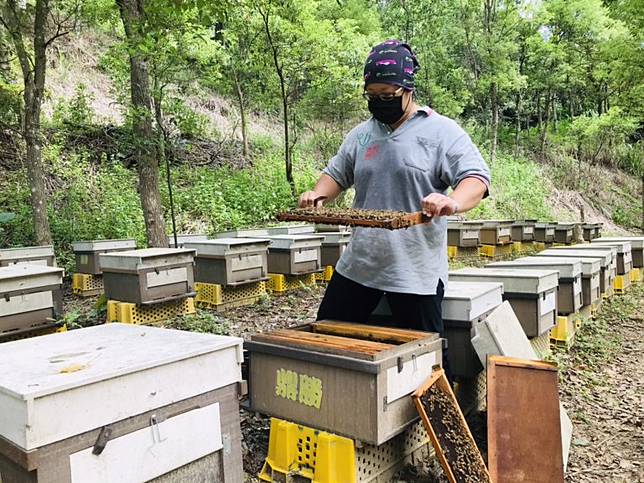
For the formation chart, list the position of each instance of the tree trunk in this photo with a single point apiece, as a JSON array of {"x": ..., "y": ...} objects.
[
  {"x": 517, "y": 123},
  {"x": 495, "y": 120},
  {"x": 242, "y": 112},
  {"x": 132, "y": 14},
  {"x": 544, "y": 130}
]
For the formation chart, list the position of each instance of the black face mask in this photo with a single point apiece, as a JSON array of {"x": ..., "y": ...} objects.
[{"x": 387, "y": 112}]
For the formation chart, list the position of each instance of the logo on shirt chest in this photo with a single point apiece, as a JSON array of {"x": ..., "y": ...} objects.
[{"x": 371, "y": 151}]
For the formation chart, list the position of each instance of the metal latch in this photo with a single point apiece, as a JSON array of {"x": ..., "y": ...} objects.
[
  {"x": 156, "y": 431},
  {"x": 400, "y": 364},
  {"x": 101, "y": 441}
]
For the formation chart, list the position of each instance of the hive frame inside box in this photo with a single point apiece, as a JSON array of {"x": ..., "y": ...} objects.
[
  {"x": 361, "y": 399},
  {"x": 68, "y": 460}
]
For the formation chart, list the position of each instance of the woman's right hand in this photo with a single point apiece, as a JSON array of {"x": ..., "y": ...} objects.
[{"x": 311, "y": 199}]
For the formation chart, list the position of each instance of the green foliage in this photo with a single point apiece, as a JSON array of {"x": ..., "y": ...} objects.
[
  {"x": 203, "y": 322},
  {"x": 76, "y": 111}
]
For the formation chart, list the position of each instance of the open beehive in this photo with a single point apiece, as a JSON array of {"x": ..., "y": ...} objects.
[
  {"x": 390, "y": 220},
  {"x": 345, "y": 378}
]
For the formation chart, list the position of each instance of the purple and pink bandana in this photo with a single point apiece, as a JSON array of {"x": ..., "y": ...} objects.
[{"x": 391, "y": 62}]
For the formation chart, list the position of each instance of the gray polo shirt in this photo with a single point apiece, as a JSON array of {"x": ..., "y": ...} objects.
[{"x": 395, "y": 170}]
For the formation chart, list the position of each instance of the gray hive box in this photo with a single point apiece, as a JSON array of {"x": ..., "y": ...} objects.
[
  {"x": 637, "y": 247},
  {"x": 609, "y": 250},
  {"x": 333, "y": 246},
  {"x": 30, "y": 298},
  {"x": 149, "y": 275},
  {"x": 299, "y": 229},
  {"x": 564, "y": 232},
  {"x": 461, "y": 234},
  {"x": 603, "y": 257},
  {"x": 87, "y": 253},
  {"x": 324, "y": 228},
  {"x": 544, "y": 232},
  {"x": 363, "y": 398},
  {"x": 624, "y": 254},
  {"x": 43, "y": 255},
  {"x": 230, "y": 261},
  {"x": 592, "y": 230},
  {"x": 465, "y": 304},
  {"x": 523, "y": 231},
  {"x": 183, "y": 239},
  {"x": 496, "y": 232},
  {"x": 295, "y": 254},
  {"x": 148, "y": 402},
  {"x": 570, "y": 296},
  {"x": 531, "y": 293},
  {"x": 243, "y": 233}
]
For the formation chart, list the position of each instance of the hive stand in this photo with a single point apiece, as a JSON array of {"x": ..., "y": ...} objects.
[
  {"x": 220, "y": 297},
  {"x": 279, "y": 284},
  {"x": 87, "y": 285},
  {"x": 325, "y": 275},
  {"x": 129, "y": 313}
]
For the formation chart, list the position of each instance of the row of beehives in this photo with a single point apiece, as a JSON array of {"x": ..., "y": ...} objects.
[{"x": 500, "y": 232}]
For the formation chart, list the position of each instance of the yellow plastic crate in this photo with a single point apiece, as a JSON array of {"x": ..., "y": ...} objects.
[
  {"x": 563, "y": 334},
  {"x": 128, "y": 313},
  {"x": 325, "y": 275},
  {"x": 541, "y": 345},
  {"x": 621, "y": 283},
  {"x": 636, "y": 275},
  {"x": 279, "y": 283},
  {"x": 452, "y": 251},
  {"x": 492, "y": 251},
  {"x": 220, "y": 297},
  {"x": 86, "y": 284},
  {"x": 538, "y": 246}
]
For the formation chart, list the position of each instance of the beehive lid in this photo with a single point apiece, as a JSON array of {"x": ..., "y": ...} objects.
[
  {"x": 185, "y": 238},
  {"x": 589, "y": 266},
  {"x": 299, "y": 229},
  {"x": 567, "y": 267},
  {"x": 287, "y": 242},
  {"x": 100, "y": 245},
  {"x": 565, "y": 226},
  {"x": 223, "y": 246},
  {"x": 473, "y": 224},
  {"x": 524, "y": 223},
  {"x": 605, "y": 257},
  {"x": 335, "y": 237},
  {"x": 244, "y": 233},
  {"x": 493, "y": 223},
  {"x": 635, "y": 241},
  {"x": 466, "y": 301},
  {"x": 324, "y": 228},
  {"x": 513, "y": 280},
  {"x": 133, "y": 260},
  {"x": 587, "y": 246},
  {"x": 24, "y": 277},
  {"x": 39, "y": 375},
  {"x": 26, "y": 252}
]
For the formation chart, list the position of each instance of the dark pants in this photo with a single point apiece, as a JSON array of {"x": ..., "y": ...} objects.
[{"x": 350, "y": 301}]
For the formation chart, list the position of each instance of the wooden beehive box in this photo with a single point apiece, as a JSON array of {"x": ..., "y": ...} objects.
[
  {"x": 544, "y": 232},
  {"x": 564, "y": 232},
  {"x": 637, "y": 247},
  {"x": 333, "y": 246},
  {"x": 461, "y": 234},
  {"x": 293, "y": 229},
  {"x": 608, "y": 250},
  {"x": 87, "y": 253},
  {"x": 523, "y": 231},
  {"x": 295, "y": 254},
  {"x": 569, "y": 299},
  {"x": 624, "y": 254},
  {"x": 496, "y": 232},
  {"x": 532, "y": 294},
  {"x": 464, "y": 305},
  {"x": 30, "y": 297},
  {"x": 349, "y": 379},
  {"x": 231, "y": 261},
  {"x": 604, "y": 259},
  {"x": 146, "y": 401},
  {"x": 149, "y": 275},
  {"x": 186, "y": 238},
  {"x": 43, "y": 255}
]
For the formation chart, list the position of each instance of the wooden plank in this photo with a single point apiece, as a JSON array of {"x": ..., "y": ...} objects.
[
  {"x": 524, "y": 427},
  {"x": 451, "y": 437},
  {"x": 353, "y": 218},
  {"x": 389, "y": 335},
  {"x": 324, "y": 343}
]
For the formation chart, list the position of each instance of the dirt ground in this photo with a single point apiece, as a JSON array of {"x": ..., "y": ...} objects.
[{"x": 602, "y": 383}]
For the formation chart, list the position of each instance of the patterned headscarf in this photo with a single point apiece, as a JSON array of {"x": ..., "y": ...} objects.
[{"x": 391, "y": 62}]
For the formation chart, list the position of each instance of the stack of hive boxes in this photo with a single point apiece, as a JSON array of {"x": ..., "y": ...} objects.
[{"x": 88, "y": 278}]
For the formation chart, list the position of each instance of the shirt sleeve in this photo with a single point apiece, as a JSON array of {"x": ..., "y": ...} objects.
[
  {"x": 341, "y": 166},
  {"x": 463, "y": 160}
]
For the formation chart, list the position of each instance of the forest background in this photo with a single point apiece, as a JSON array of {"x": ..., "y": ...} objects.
[{"x": 243, "y": 102}]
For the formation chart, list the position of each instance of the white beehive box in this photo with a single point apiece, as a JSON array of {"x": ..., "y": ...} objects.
[
  {"x": 299, "y": 229},
  {"x": 295, "y": 254},
  {"x": 41, "y": 255},
  {"x": 87, "y": 253},
  {"x": 637, "y": 247},
  {"x": 624, "y": 254},
  {"x": 243, "y": 233}
]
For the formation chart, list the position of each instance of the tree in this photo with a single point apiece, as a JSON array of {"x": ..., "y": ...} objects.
[{"x": 33, "y": 28}]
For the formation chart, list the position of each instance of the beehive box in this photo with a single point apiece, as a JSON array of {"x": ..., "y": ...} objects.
[
  {"x": 230, "y": 261},
  {"x": 87, "y": 253},
  {"x": 149, "y": 275},
  {"x": 185, "y": 238},
  {"x": 462, "y": 234},
  {"x": 30, "y": 298},
  {"x": 243, "y": 233},
  {"x": 464, "y": 305},
  {"x": 120, "y": 402},
  {"x": 607, "y": 250},
  {"x": 324, "y": 228},
  {"x": 603, "y": 257},
  {"x": 496, "y": 232},
  {"x": 333, "y": 246},
  {"x": 293, "y": 229},
  {"x": 590, "y": 276},
  {"x": 592, "y": 230},
  {"x": 532, "y": 294},
  {"x": 637, "y": 247},
  {"x": 569, "y": 299},
  {"x": 564, "y": 232},
  {"x": 43, "y": 255},
  {"x": 295, "y": 254},
  {"x": 349, "y": 379},
  {"x": 624, "y": 254},
  {"x": 523, "y": 231},
  {"x": 544, "y": 232}
]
